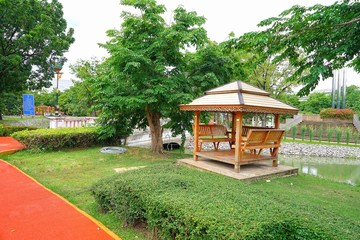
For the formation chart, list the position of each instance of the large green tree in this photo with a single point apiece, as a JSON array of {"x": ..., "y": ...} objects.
[
  {"x": 316, "y": 102},
  {"x": 79, "y": 99},
  {"x": 353, "y": 98},
  {"x": 33, "y": 34},
  {"x": 151, "y": 70},
  {"x": 315, "y": 40}
]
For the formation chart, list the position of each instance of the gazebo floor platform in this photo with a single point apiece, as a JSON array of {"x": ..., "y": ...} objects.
[
  {"x": 228, "y": 156},
  {"x": 252, "y": 171}
]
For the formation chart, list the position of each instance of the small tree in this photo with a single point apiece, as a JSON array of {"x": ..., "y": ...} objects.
[
  {"x": 311, "y": 133},
  {"x": 329, "y": 133},
  {"x": 348, "y": 134},
  {"x": 303, "y": 131},
  {"x": 293, "y": 132},
  {"x": 320, "y": 133},
  {"x": 356, "y": 137},
  {"x": 338, "y": 134}
]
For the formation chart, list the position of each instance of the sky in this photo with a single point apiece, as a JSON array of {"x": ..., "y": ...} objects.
[{"x": 92, "y": 18}]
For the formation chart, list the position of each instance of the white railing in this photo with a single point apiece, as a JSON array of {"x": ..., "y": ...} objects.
[
  {"x": 70, "y": 122},
  {"x": 356, "y": 122}
]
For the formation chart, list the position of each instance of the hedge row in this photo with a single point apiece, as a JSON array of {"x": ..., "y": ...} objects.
[
  {"x": 181, "y": 203},
  {"x": 7, "y": 130},
  {"x": 337, "y": 113},
  {"x": 54, "y": 139}
]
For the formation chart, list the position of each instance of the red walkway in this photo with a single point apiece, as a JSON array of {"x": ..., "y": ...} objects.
[
  {"x": 30, "y": 211},
  {"x": 9, "y": 145}
]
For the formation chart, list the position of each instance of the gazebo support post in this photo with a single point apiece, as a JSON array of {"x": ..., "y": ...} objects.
[
  {"x": 196, "y": 133},
  {"x": 233, "y": 127},
  {"x": 277, "y": 121},
  {"x": 277, "y": 126},
  {"x": 238, "y": 152}
]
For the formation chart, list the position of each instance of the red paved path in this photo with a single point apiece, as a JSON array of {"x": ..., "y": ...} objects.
[
  {"x": 9, "y": 145},
  {"x": 30, "y": 211}
]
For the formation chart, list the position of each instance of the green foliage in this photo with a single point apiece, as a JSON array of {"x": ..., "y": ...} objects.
[
  {"x": 356, "y": 137},
  {"x": 33, "y": 35},
  {"x": 273, "y": 78},
  {"x": 291, "y": 99},
  {"x": 150, "y": 72},
  {"x": 329, "y": 133},
  {"x": 7, "y": 130},
  {"x": 10, "y": 103},
  {"x": 353, "y": 98},
  {"x": 172, "y": 200},
  {"x": 303, "y": 131},
  {"x": 320, "y": 132},
  {"x": 293, "y": 132},
  {"x": 338, "y": 134},
  {"x": 316, "y": 102},
  {"x": 348, "y": 133},
  {"x": 79, "y": 99},
  {"x": 311, "y": 133},
  {"x": 337, "y": 113},
  {"x": 315, "y": 40},
  {"x": 58, "y": 138}
]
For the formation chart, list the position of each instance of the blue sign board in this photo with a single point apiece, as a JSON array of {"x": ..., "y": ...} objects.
[{"x": 28, "y": 104}]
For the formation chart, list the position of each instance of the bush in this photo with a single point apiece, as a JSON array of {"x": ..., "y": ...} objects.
[
  {"x": 57, "y": 138},
  {"x": 337, "y": 113},
  {"x": 6, "y": 130},
  {"x": 182, "y": 203}
]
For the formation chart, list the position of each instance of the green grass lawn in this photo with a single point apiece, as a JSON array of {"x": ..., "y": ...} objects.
[{"x": 71, "y": 173}]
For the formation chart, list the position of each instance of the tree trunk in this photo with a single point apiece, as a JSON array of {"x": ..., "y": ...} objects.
[{"x": 153, "y": 119}]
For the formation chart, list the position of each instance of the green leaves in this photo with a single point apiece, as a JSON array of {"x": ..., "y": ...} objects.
[
  {"x": 315, "y": 40},
  {"x": 33, "y": 34}
]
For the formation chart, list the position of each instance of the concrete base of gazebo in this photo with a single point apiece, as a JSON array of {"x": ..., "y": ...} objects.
[{"x": 253, "y": 171}]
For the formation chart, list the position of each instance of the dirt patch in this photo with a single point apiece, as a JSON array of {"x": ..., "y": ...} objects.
[{"x": 121, "y": 170}]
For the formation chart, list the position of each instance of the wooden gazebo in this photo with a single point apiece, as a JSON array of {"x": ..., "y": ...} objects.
[{"x": 247, "y": 143}]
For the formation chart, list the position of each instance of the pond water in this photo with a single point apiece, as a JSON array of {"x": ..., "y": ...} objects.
[{"x": 337, "y": 169}]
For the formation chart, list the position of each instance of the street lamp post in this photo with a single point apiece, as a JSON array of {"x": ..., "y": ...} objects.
[{"x": 57, "y": 69}]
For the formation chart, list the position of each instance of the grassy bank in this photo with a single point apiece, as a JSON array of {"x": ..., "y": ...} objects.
[{"x": 71, "y": 173}]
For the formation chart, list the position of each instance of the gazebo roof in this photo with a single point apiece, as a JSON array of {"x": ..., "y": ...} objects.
[{"x": 238, "y": 97}]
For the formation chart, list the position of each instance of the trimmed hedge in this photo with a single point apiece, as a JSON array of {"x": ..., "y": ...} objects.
[
  {"x": 7, "y": 130},
  {"x": 57, "y": 138},
  {"x": 182, "y": 203},
  {"x": 337, "y": 113}
]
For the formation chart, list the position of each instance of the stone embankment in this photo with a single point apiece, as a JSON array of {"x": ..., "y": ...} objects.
[{"x": 303, "y": 149}]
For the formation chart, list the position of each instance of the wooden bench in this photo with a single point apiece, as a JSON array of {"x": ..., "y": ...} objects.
[
  {"x": 255, "y": 142},
  {"x": 214, "y": 134}
]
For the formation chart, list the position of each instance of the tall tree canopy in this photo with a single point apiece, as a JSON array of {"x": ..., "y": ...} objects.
[
  {"x": 315, "y": 40},
  {"x": 151, "y": 72},
  {"x": 79, "y": 99},
  {"x": 33, "y": 34}
]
